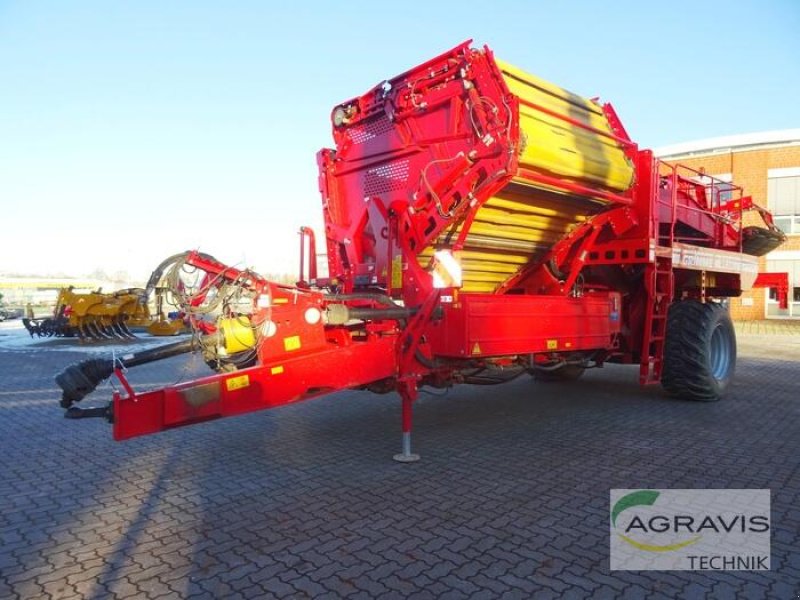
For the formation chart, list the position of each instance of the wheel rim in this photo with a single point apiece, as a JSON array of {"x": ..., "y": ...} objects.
[{"x": 720, "y": 353}]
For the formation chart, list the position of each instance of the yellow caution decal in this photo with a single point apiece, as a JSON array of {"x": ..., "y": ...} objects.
[
  {"x": 237, "y": 383},
  {"x": 291, "y": 343},
  {"x": 552, "y": 344},
  {"x": 397, "y": 271},
  {"x": 476, "y": 349}
]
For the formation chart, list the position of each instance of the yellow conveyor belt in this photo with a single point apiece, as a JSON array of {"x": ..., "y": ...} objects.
[
  {"x": 521, "y": 222},
  {"x": 556, "y": 147}
]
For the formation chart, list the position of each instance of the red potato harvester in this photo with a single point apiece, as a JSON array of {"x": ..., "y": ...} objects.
[{"x": 480, "y": 224}]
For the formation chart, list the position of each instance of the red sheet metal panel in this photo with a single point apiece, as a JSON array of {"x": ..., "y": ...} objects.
[{"x": 489, "y": 325}]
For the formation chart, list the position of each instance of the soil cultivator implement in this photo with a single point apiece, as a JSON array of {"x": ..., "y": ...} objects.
[
  {"x": 94, "y": 315},
  {"x": 480, "y": 224}
]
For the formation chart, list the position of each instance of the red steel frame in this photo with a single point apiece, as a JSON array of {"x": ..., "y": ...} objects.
[
  {"x": 414, "y": 156},
  {"x": 778, "y": 281}
]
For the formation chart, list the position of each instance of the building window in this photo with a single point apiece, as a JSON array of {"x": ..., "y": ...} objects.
[
  {"x": 783, "y": 198},
  {"x": 794, "y": 296},
  {"x": 724, "y": 192}
]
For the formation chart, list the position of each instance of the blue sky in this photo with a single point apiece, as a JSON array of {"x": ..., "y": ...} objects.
[{"x": 133, "y": 130}]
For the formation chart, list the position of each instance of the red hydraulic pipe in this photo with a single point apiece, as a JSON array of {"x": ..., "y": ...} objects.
[{"x": 307, "y": 232}]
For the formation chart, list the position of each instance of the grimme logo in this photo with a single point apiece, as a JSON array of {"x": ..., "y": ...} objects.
[{"x": 690, "y": 529}]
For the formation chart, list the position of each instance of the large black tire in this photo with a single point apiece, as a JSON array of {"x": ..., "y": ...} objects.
[
  {"x": 565, "y": 373},
  {"x": 699, "y": 352}
]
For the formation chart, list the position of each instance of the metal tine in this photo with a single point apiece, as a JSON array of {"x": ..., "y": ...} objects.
[
  {"x": 91, "y": 333},
  {"x": 101, "y": 329},
  {"x": 95, "y": 331},
  {"x": 117, "y": 329},
  {"x": 108, "y": 331},
  {"x": 124, "y": 328},
  {"x": 127, "y": 329}
]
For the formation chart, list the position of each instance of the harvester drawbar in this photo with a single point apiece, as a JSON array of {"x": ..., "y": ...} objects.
[{"x": 480, "y": 224}]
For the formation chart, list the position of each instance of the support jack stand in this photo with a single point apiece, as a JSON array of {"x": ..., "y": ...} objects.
[{"x": 408, "y": 393}]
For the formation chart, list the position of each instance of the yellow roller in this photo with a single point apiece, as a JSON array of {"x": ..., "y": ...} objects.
[
  {"x": 522, "y": 221},
  {"x": 511, "y": 260},
  {"x": 511, "y": 229},
  {"x": 557, "y": 147},
  {"x": 488, "y": 266},
  {"x": 522, "y": 205},
  {"x": 500, "y": 216}
]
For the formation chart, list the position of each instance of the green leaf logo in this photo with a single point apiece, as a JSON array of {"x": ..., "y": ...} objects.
[
  {"x": 644, "y": 498},
  {"x": 640, "y": 498}
]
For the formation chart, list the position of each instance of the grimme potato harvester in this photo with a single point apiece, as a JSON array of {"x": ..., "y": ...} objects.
[{"x": 480, "y": 224}]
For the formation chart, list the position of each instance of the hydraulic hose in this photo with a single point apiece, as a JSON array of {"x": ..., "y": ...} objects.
[
  {"x": 339, "y": 314},
  {"x": 379, "y": 298},
  {"x": 369, "y": 314},
  {"x": 159, "y": 271}
]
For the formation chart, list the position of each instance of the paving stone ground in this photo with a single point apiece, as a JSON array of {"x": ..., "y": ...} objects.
[
  {"x": 510, "y": 499},
  {"x": 769, "y": 327}
]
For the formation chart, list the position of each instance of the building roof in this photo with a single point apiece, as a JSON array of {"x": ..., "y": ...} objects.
[{"x": 731, "y": 143}]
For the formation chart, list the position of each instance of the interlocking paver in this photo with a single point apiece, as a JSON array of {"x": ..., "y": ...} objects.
[{"x": 510, "y": 498}]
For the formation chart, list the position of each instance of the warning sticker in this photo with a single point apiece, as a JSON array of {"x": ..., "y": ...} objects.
[
  {"x": 552, "y": 344},
  {"x": 291, "y": 343},
  {"x": 476, "y": 349},
  {"x": 397, "y": 271},
  {"x": 237, "y": 383}
]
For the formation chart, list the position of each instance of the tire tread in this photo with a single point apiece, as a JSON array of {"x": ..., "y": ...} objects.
[{"x": 687, "y": 371}]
